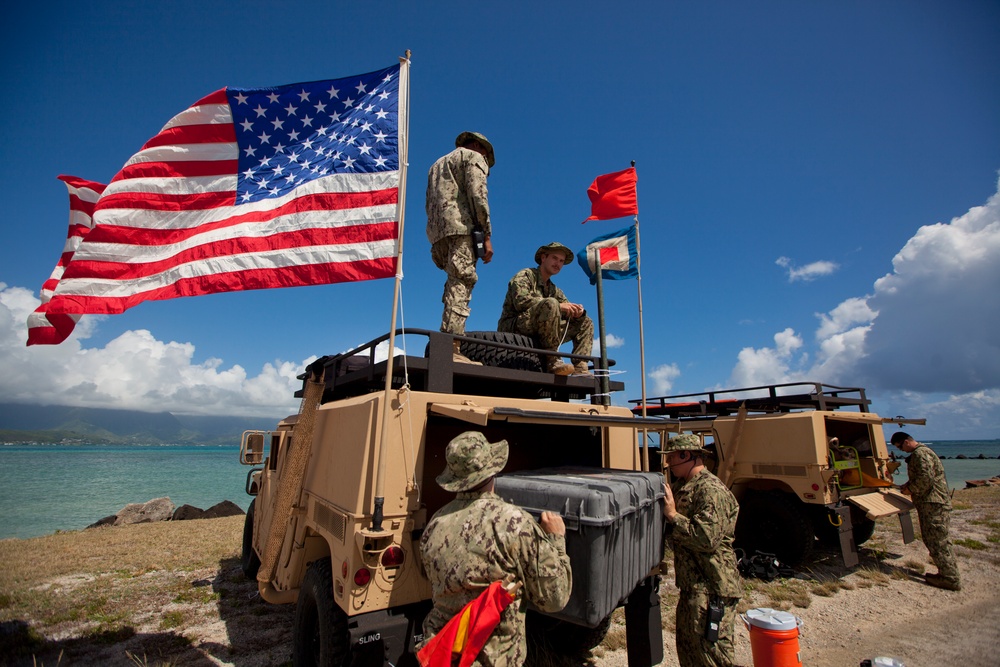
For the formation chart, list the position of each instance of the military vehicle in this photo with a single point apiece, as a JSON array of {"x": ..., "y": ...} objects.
[
  {"x": 346, "y": 486},
  {"x": 802, "y": 464}
]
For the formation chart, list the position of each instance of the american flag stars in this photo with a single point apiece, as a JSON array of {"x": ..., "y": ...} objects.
[{"x": 291, "y": 135}]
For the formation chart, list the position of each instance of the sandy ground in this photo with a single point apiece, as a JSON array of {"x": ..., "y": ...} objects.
[{"x": 886, "y": 610}]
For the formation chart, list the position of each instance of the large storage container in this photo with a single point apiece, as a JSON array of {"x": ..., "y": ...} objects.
[{"x": 614, "y": 530}]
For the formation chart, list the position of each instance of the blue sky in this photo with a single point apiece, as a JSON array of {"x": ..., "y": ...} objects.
[{"x": 817, "y": 188}]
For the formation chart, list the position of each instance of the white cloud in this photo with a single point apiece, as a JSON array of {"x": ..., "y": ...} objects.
[
  {"x": 925, "y": 342},
  {"x": 134, "y": 371},
  {"x": 611, "y": 340},
  {"x": 809, "y": 271},
  {"x": 663, "y": 377},
  {"x": 766, "y": 365}
]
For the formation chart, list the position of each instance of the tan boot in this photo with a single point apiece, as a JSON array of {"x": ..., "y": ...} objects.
[
  {"x": 580, "y": 368},
  {"x": 557, "y": 367},
  {"x": 460, "y": 358}
]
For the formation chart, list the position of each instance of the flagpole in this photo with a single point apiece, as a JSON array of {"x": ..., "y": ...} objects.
[
  {"x": 603, "y": 373},
  {"x": 642, "y": 339},
  {"x": 403, "y": 136}
]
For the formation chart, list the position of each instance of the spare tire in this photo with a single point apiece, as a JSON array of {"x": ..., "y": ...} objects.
[{"x": 499, "y": 357}]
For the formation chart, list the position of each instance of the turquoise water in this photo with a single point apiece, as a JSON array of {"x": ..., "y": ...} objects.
[{"x": 46, "y": 488}]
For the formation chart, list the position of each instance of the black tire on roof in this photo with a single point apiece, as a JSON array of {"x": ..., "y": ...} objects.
[{"x": 501, "y": 357}]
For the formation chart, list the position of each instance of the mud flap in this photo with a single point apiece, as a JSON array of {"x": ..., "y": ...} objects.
[
  {"x": 643, "y": 630},
  {"x": 848, "y": 549},
  {"x": 382, "y": 638},
  {"x": 906, "y": 525}
]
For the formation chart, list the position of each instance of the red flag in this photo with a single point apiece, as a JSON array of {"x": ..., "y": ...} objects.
[
  {"x": 50, "y": 329},
  {"x": 613, "y": 195},
  {"x": 249, "y": 189},
  {"x": 467, "y": 632}
]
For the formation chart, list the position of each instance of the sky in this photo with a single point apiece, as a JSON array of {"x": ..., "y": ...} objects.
[{"x": 818, "y": 188}]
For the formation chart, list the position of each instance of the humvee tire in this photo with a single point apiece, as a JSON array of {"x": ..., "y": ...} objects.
[
  {"x": 499, "y": 357},
  {"x": 249, "y": 561},
  {"x": 774, "y": 522},
  {"x": 320, "y": 636},
  {"x": 829, "y": 535}
]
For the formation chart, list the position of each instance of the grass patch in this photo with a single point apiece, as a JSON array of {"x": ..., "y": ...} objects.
[
  {"x": 172, "y": 619},
  {"x": 970, "y": 543}
]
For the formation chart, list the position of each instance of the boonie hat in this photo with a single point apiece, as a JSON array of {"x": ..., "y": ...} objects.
[
  {"x": 466, "y": 137},
  {"x": 685, "y": 442},
  {"x": 471, "y": 459},
  {"x": 553, "y": 247}
]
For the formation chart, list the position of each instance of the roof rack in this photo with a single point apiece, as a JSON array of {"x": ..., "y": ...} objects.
[
  {"x": 357, "y": 372},
  {"x": 765, "y": 399}
]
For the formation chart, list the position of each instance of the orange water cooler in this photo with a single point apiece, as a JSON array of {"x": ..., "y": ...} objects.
[{"x": 774, "y": 637}]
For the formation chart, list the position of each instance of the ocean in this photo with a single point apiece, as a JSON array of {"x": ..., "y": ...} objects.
[{"x": 47, "y": 488}]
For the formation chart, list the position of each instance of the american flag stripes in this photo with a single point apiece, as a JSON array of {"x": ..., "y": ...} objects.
[
  {"x": 248, "y": 189},
  {"x": 51, "y": 329}
]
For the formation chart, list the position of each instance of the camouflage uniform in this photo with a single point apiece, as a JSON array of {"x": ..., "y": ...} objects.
[
  {"x": 705, "y": 566},
  {"x": 457, "y": 202},
  {"x": 929, "y": 490},
  {"x": 532, "y": 308},
  {"x": 479, "y": 538}
]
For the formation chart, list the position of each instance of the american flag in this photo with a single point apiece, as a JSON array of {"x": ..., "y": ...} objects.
[{"x": 248, "y": 189}]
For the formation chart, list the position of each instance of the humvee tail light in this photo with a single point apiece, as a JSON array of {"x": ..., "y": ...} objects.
[
  {"x": 392, "y": 557},
  {"x": 362, "y": 577}
]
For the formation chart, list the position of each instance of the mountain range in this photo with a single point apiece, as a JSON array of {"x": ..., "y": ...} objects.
[{"x": 64, "y": 424}]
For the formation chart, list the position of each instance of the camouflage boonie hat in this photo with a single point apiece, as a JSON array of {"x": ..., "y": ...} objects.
[
  {"x": 466, "y": 137},
  {"x": 554, "y": 247},
  {"x": 685, "y": 442},
  {"x": 471, "y": 460}
]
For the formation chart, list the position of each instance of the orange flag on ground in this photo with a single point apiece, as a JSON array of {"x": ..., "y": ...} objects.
[
  {"x": 613, "y": 195},
  {"x": 465, "y": 635}
]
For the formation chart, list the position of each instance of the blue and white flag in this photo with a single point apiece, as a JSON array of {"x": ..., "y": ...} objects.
[{"x": 615, "y": 253}]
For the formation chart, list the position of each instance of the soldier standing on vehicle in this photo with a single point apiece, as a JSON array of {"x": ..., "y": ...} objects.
[
  {"x": 702, "y": 525},
  {"x": 534, "y": 306},
  {"x": 929, "y": 489},
  {"x": 479, "y": 538},
  {"x": 457, "y": 208}
]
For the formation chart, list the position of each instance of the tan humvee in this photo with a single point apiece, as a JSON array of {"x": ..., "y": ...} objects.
[
  {"x": 347, "y": 485},
  {"x": 801, "y": 465}
]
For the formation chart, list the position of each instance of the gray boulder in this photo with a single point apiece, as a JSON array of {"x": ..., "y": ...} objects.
[{"x": 157, "y": 509}]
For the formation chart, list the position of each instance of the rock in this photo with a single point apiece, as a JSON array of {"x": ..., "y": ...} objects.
[
  {"x": 225, "y": 508},
  {"x": 187, "y": 512},
  {"x": 157, "y": 509},
  {"x": 106, "y": 521}
]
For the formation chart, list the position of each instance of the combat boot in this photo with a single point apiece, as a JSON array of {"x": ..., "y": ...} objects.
[
  {"x": 580, "y": 369},
  {"x": 460, "y": 358},
  {"x": 557, "y": 367},
  {"x": 938, "y": 581}
]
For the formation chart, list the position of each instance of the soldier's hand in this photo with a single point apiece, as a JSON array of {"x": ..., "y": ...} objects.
[
  {"x": 487, "y": 251},
  {"x": 552, "y": 523},
  {"x": 669, "y": 507}
]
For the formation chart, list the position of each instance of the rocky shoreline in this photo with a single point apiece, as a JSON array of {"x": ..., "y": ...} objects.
[{"x": 163, "y": 509}]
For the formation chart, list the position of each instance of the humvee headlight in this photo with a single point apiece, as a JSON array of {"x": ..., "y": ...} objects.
[
  {"x": 392, "y": 557},
  {"x": 362, "y": 577}
]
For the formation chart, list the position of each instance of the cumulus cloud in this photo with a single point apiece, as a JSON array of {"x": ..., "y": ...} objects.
[
  {"x": 807, "y": 272},
  {"x": 611, "y": 340},
  {"x": 134, "y": 371},
  {"x": 925, "y": 338},
  {"x": 663, "y": 377}
]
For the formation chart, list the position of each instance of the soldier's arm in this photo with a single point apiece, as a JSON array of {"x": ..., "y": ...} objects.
[
  {"x": 919, "y": 473},
  {"x": 703, "y": 530},
  {"x": 477, "y": 193},
  {"x": 522, "y": 288},
  {"x": 548, "y": 580}
]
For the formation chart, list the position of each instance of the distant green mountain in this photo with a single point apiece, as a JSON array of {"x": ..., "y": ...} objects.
[{"x": 58, "y": 423}]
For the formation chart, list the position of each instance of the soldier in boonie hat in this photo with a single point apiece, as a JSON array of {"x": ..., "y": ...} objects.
[
  {"x": 685, "y": 442},
  {"x": 553, "y": 247},
  {"x": 466, "y": 138},
  {"x": 471, "y": 459}
]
